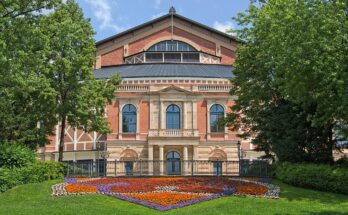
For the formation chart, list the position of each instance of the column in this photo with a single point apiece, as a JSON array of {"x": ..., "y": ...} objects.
[
  {"x": 194, "y": 155},
  {"x": 150, "y": 159},
  {"x": 208, "y": 121},
  {"x": 186, "y": 164},
  {"x": 120, "y": 123},
  {"x": 184, "y": 115},
  {"x": 161, "y": 155},
  {"x": 226, "y": 128}
]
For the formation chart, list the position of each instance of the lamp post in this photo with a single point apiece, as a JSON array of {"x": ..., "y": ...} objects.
[{"x": 239, "y": 149}]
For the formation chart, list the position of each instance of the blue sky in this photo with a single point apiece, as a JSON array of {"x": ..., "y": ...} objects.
[{"x": 109, "y": 17}]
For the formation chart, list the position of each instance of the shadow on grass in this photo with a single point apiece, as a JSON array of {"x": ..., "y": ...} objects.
[{"x": 292, "y": 193}]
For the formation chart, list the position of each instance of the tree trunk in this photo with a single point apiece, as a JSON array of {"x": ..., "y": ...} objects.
[{"x": 61, "y": 140}]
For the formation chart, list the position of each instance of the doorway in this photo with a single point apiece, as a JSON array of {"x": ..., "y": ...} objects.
[{"x": 173, "y": 163}]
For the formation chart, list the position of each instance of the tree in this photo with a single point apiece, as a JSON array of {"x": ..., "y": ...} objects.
[
  {"x": 80, "y": 99},
  {"x": 25, "y": 92},
  {"x": 293, "y": 61}
]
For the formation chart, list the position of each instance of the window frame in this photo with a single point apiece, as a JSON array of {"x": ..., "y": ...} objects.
[
  {"x": 217, "y": 114},
  {"x": 129, "y": 113},
  {"x": 172, "y": 115}
]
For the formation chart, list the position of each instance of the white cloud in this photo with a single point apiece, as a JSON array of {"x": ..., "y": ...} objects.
[
  {"x": 158, "y": 15},
  {"x": 224, "y": 26},
  {"x": 102, "y": 10}
]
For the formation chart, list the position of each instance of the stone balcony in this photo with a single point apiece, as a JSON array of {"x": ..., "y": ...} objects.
[{"x": 173, "y": 133}]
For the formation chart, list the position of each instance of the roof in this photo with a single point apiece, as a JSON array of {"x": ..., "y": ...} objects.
[
  {"x": 165, "y": 17},
  {"x": 166, "y": 70}
]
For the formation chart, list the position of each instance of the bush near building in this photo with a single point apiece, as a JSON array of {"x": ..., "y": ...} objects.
[
  {"x": 18, "y": 166},
  {"x": 316, "y": 176}
]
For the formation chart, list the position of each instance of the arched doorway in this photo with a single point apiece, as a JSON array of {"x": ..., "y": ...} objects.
[{"x": 173, "y": 163}]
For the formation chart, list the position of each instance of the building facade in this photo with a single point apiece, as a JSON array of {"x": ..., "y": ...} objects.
[{"x": 169, "y": 108}]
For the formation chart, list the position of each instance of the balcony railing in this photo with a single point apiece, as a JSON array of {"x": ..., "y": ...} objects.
[
  {"x": 173, "y": 133},
  {"x": 214, "y": 88}
]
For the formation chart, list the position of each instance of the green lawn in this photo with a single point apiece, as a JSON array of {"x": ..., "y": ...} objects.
[{"x": 36, "y": 199}]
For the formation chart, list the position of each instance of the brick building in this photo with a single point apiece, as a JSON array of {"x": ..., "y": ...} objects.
[{"x": 166, "y": 119}]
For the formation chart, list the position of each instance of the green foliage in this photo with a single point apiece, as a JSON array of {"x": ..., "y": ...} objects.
[
  {"x": 42, "y": 171},
  {"x": 283, "y": 129},
  {"x": 80, "y": 99},
  {"x": 293, "y": 61},
  {"x": 25, "y": 95},
  {"x": 46, "y": 71},
  {"x": 15, "y": 156},
  {"x": 342, "y": 162},
  {"x": 10, "y": 178},
  {"x": 315, "y": 176},
  {"x": 37, "y": 171}
]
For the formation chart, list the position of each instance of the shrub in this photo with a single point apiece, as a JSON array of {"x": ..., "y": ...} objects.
[
  {"x": 342, "y": 162},
  {"x": 42, "y": 171},
  {"x": 9, "y": 178},
  {"x": 14, "y": 155},
  {"x": 315, "y": 176},
  {"x": 38, "y": 171}
]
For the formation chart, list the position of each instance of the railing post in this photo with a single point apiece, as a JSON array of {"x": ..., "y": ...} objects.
[{"x": 191, "y": 167}]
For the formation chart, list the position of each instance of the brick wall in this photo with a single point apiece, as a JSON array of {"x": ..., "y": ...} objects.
[{"x": 115, "y": 57}]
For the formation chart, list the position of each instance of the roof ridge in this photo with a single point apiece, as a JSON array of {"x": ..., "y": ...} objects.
[{"x": 163, "y": 17}]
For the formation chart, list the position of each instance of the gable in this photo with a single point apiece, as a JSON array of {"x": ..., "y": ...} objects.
[{"x": 164, "y": 23}]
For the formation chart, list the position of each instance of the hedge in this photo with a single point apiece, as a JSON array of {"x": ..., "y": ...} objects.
[
  {"x": 38, "y": 171},
  {"x": 315, "y": 176}
]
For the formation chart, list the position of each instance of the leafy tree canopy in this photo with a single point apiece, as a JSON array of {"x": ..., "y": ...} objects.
[{"x": 292, "y": 68}]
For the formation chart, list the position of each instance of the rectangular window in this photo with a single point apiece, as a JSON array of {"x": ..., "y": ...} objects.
[
  {"x": 154, "y": 57},
  {"x": 190, "y": 57},
  {"x": 172, "y": 57}
]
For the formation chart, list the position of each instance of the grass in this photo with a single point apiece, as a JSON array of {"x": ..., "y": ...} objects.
[{"x": 36, "y": 199}]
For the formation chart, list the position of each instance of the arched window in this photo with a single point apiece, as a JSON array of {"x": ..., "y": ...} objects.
[
  {"x": 216, "y": 118},
  {"x": 129, "y": 119},
  {"x": 172, "y": 51},
  {"x": 173, "y": 117},
  {"x": 171, "y": 46},
  {"x": 173, "y": 155}
]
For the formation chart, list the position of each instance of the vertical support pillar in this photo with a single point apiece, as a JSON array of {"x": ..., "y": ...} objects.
[
  {"x": 208, "y": 121},
  {"x": 185, "y": 160},
  {"x": 226, "y": 128},
  {"x": 184, "y": 116},
  {"x": 162, "y": 118},
  {"x": 150, "y": 159},
  {"x": 161, "y": 155},
  {"x": 194, "y": 115},
  {"x": 120, "y": 124}
]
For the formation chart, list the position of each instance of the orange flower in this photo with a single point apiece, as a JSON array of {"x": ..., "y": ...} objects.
[
  {"x": 76, "y": 188},
  {"x": 167, "y": 179},
  {"x": 165, "y": 198},
  {"x": 251, "y": 190}
]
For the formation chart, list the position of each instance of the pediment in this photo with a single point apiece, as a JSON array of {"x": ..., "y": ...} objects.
[{"x": 174, "y": 90}]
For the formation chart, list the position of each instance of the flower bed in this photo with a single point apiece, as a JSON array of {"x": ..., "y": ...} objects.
[{"x": 166, "y": 193}]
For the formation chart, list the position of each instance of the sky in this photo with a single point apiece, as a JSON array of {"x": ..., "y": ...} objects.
[{"x": 109, "y": 17}]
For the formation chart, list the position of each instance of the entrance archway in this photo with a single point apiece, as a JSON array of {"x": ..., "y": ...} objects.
[{"x": 173, "y": 163}]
